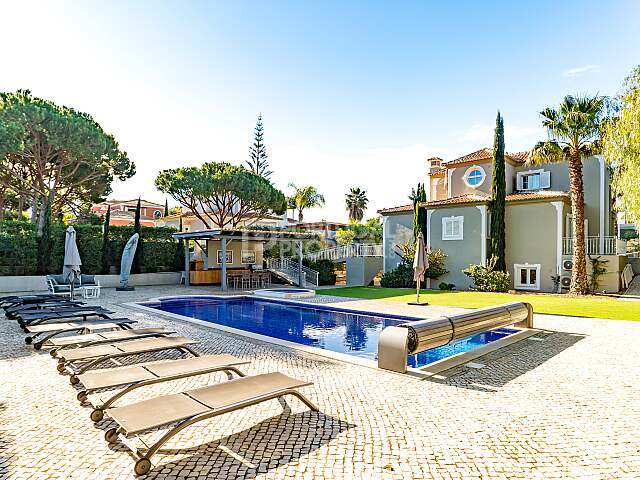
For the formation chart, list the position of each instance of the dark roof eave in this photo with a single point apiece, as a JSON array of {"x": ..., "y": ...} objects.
[{"x": 258, "y": 235}]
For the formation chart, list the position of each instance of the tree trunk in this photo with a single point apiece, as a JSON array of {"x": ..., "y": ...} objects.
[
  {"x": 579, "y": 283},
  {"x": 300, "y": 217},
  {"x": 20, "y": 206}
]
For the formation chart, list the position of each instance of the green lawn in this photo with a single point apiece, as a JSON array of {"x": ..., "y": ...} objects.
[{"x": 594, "y": 307}]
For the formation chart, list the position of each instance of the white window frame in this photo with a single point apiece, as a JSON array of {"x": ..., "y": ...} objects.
[
  {"x": 521, "y": 175},
  {"x": 465, "y": 177},
  {"x": 248, "y": 253},
  {"x": 516, "y": 276},
  {"x": 452, "y": 219},
  {"x": 229, "y": 257}
]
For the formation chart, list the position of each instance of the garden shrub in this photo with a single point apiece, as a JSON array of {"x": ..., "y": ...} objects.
[
  {"x": 326, "y": 271},
  {"x": 399, "y": 277},
  {"x": 446, "y": 286},
  {"x": 402, "y": 275},
  {"x": 486, "y": 279}
]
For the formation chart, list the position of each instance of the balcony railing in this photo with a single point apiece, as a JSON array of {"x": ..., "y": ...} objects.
[{"x": 597, "y": 246}]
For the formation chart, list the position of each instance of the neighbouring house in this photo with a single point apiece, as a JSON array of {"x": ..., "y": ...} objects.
[
  {"x": 123, "y": 212},
  {"x": 538, "y": 220},
  {"x": 325, "y": 229}
]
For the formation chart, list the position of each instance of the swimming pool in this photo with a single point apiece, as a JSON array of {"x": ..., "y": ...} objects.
[{"x": 337, "y": 330}]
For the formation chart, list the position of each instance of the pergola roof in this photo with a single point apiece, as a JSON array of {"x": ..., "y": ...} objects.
[{"x": 256, "y": 235}]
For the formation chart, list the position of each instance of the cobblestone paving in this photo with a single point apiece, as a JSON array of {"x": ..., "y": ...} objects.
[{"x": 566, "y": 406}]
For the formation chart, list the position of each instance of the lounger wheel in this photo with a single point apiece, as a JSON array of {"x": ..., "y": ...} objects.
[
  {"x": 111, "y": 435},
  {"x": 28, "y": 340},
  {"x": 142, "y": 466},
  {"x": 60, "y": 367},
  {"x": 74, "y": 380},
  {"x": 37, "y": 345},
  {"x": 82, "y": 396},
  {"x": 53, "y": 353},
  {"x": 96, "y": 416}
]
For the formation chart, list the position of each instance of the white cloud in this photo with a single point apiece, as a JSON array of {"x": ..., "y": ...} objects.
[{"x": 579, "y": 71}]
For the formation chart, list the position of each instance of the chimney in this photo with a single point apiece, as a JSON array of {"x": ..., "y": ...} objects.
[{"x": 435, "y": 163}]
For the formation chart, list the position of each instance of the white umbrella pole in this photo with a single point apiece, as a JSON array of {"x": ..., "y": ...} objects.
[{"x": 418, "y": 292}]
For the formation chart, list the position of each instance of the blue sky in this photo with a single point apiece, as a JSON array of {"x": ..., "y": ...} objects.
[{"x": 352, "y": 93}]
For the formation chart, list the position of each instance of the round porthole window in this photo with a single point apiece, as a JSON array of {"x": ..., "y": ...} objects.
[{"x": 474, "y": 176}]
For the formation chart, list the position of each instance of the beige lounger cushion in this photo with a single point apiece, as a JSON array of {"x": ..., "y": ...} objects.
[
  {"x": 133, "y": 332},
  {"x": 154, "y": 344},
  {"x": 136, "y": 346},
  {"x": 159, "y": 411},
  {"x": 115, "y": 335},
  {"x": 74, "y": 339},
  {"x": 194, "y": 364},
  {"x": 88, "y": 352},
  {"x": 156, "y": 412},
  {"x": 114, "y": 377},
  {"x": 239, "y": 390},
  {"x": 89, "y": 325}
]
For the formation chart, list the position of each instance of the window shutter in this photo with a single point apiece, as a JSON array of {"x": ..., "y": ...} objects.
[
  {"x": 545, "y": 179},
  {"x": 519, "y": 182}
]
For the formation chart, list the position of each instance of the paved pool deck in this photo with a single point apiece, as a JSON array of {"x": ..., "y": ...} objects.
[{"x": 563, "y": 406}]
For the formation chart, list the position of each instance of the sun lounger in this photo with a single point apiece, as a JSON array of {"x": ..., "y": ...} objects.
[
  {"x": 79, "y": 360},
  {"x": 46, "y": 316},
  {"x": 50, "y": 330},
  {"x": 26, "y": 299},
  {"x": 89, "y": 339},
  {"x": 66, "y": 307},
  {"x": 151, "y": 373},
  {"x": 194, "y": 406},
  {"x": 15, "y": 311}
]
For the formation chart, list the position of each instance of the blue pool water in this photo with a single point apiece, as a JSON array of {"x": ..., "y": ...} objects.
[{"x": 317, "y": 326}]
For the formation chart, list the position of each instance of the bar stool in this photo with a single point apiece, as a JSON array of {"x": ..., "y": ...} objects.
[
  {"x": 232, "y": 280},
  {"x": 246, "y": 280}
]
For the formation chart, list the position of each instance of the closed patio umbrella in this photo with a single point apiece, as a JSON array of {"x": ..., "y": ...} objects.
[
  {"x": 420, "y": 265},
  {"x": 72, "y": 262}
]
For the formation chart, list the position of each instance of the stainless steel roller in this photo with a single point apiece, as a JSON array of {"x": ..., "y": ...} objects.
[{"x": 414, "y": 337}]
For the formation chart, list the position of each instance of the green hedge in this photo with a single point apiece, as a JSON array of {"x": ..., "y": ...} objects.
[
  {"x": 18, "y": 251},
  {"x": 18, "y": 248}
]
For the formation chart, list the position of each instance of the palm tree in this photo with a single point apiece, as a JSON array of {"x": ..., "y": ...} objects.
[
  {"x": 305, "y": 197},
  {"x": 573, "y": 135},
  {"x": 356, "y": 201}
]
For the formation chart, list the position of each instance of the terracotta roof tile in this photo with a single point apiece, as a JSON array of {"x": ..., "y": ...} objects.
[
  {"x": 468, "y": 198},
  {"x": 541, "y": 195},
  {"x": 515, "y": 197},
  {"x": 487, "y": 154},
  {"x": 520, "y": 156},
  {"x": 400, "y": 209}
]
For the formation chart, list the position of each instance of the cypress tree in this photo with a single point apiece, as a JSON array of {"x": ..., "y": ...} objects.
[
  {"x": 418, "y": 196},
  {"x": 137, "y": 260},
  {"x": 257, "y": 162},
  {"x": 105, "y": 242},
  {"x": 498, "y": 194},
  {"x": 166, "y": 207}
]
